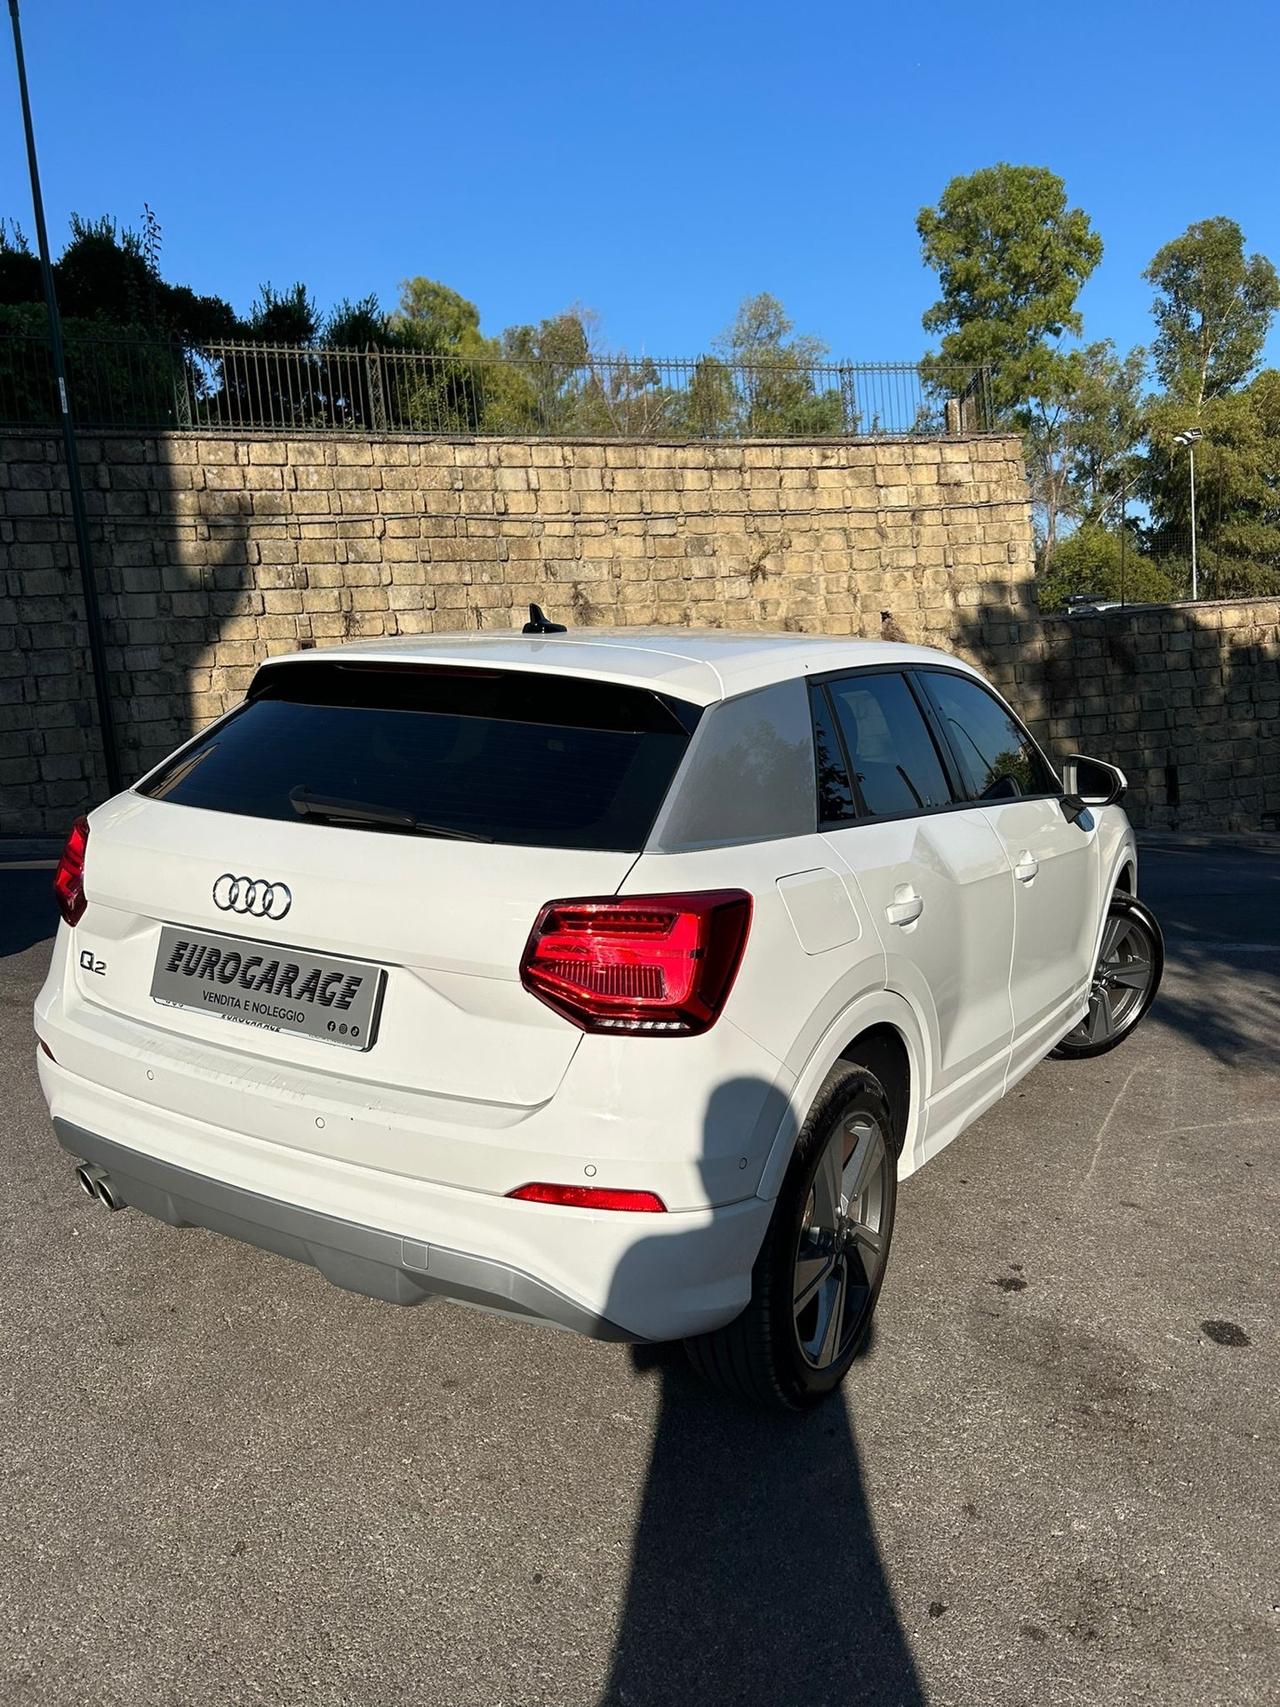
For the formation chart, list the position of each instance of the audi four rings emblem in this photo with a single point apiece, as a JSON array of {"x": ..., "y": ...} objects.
[{"x": 252, "y": 895}]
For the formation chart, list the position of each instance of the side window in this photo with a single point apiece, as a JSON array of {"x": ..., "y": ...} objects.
[
  {"x": 892, "y": 755},
  {"x": 998, "y": 759},
  {"x": 835, "y": 797}
]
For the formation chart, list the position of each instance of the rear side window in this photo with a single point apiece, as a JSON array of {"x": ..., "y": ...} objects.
[
  {"x": 892, "y": 757},
  {"x": 503, "y": 756},
  {"x": 998, "y": 760}
]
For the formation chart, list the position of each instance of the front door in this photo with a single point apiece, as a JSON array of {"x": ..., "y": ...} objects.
[{"x": 1054, "y": 861}]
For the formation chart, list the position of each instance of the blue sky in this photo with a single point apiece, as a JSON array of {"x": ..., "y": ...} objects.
[{"x": 654, "y": 161}]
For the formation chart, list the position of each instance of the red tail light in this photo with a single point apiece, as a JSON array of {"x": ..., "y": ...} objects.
[
  {"x": 68, "y": 880},
  {"x": 647, "y": 965},
  {"x": 591, "y": 1197}
]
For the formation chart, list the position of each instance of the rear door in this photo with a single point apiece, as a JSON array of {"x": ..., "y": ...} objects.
[
  {"x": 933, "y": 877},
  {"x": 1054, "y": 860},
  {"x": 391, "y": 833}
]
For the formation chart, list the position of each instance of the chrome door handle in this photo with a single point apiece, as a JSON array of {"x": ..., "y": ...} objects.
[
  {"x": 1026, "y": 867},
  {"x": 906, "y": 906}
]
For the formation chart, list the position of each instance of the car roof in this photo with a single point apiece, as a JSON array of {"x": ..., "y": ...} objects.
[{"x": 701, "y": 665}]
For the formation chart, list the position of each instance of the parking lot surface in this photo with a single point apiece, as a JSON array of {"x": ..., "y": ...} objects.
[{"x": 1054, "y": 1478}]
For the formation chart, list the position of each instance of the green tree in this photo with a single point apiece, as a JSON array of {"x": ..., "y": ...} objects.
[
  {"x": 1104, "y": 429},
  {"x": 125, "y": 326},
  {"x": 1213, "y": 309},
  {"x": 709, "y": 403},
  {"x": 283, "y": 316},
  {"x": 103, "y": 273},
  {"x": 19, "y": 269},
  {"x": 772, "y": 369},
  {"x": 356, "y": 325},
  {"x": 1082, "y": 446},
  {"x": 1082, "y": 442},
  {"x": 1107, "y": 564},
  {"x": 1011, "y": 257},
  {"x": 460, "y": 383},
  {"x": 437, "y": 320},
  {"x": 1237, "y": 487},
  {"x": 553, "y": 361}
]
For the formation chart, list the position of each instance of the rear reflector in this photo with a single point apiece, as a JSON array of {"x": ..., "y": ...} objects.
[
  {"x": 45, "y": 1049},
  {"x": 68, "y": 880},
  {"x": 645, "y": 965},
  {"x": 591, "y": 1197}
]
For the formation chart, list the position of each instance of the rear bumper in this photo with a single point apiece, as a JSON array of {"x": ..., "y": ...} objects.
[
  {"x": 357, "y": 1258},
  {"x": 608, "y": 1275}
]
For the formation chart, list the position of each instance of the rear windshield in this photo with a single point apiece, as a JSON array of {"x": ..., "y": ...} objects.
[{"x": 501, "y": 756}]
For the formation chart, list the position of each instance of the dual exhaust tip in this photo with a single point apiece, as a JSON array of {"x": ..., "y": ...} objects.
[{"x": 95, "y": 1182}]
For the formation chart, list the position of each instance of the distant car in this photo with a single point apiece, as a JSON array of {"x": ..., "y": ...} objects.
[
  {"x": 611, "y": 979},
  {"x": 1084, "y": 604}
]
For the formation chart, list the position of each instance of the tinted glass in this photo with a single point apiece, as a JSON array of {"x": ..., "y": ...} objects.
[
  {"x": 537, "y": 760},
  {"x": 998, "y": 759},
  {"x": 749, "y": 774},
  {"x": 894, "y": 761},
  {"x": 835, "y": 797}
]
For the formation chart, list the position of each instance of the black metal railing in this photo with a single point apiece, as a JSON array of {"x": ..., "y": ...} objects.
[{"x": 122, "y": 382}]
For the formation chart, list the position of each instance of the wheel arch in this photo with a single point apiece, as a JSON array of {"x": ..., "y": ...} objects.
[
  {"x": 882, "y": 1049},
  {"x": 1120, "y": 875},
  {"x": 881, "y": 1032}
]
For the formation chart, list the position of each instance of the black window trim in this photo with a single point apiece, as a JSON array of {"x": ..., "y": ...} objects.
[
  {"x": 822, "y": 684},
  {"x": 947, "y": 756},
  {"x": 924, "y": 671},
  {"x": 818, "y": 689}
]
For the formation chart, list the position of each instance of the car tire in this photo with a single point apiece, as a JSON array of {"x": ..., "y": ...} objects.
[
  {"x": 816, "y": 1280},
  {"x": 1125, "y": 980}
]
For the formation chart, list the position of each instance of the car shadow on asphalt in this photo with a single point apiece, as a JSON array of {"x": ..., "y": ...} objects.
[{"x": 756, "y": 1575}]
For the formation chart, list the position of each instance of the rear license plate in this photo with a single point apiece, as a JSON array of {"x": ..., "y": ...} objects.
[{"x": 276, "y": 989}]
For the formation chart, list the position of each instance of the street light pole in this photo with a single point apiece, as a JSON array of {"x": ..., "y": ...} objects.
[
  {"x": 1190, "y": 437},
  {"x": 79, "y": 520},
  {"x": 1195, "y": 576}
]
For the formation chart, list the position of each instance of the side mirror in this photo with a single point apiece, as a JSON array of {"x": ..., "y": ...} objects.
[{"x": 1090, "y": 783}]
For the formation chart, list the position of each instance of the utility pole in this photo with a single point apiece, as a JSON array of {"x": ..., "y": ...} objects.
[{"x": 92, "y": 609}]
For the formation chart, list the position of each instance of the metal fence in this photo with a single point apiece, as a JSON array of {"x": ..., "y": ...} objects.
[{"x": 121, "y": 383}]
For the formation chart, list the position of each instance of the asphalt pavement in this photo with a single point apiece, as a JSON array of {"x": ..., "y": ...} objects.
[{"x": 1054, "y": 1478}]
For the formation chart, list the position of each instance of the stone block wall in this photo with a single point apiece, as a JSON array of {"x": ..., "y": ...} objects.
[
  {"x": 215, "y": 553},
  {"x": 1184, "y": 698}
]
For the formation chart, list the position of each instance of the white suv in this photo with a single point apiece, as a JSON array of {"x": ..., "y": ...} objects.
[{"x": 611, "y": 980}]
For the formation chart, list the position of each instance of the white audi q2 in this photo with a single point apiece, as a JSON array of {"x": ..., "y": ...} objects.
[{"x": 612, "y": 980}]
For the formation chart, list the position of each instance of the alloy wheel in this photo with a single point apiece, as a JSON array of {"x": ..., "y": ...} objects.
[
  {"x": 843, "y": 1239},
  {"x": 1123, "y": 976}
]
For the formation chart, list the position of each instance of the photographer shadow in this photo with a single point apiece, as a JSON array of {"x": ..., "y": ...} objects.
[{"x": 756, "y": 1575}]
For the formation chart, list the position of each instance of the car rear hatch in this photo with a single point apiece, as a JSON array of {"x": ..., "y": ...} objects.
[{"x": 386, "y": 834}]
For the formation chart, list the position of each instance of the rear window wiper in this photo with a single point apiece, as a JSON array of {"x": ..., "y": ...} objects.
[{"x": 308, "y": 805}]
